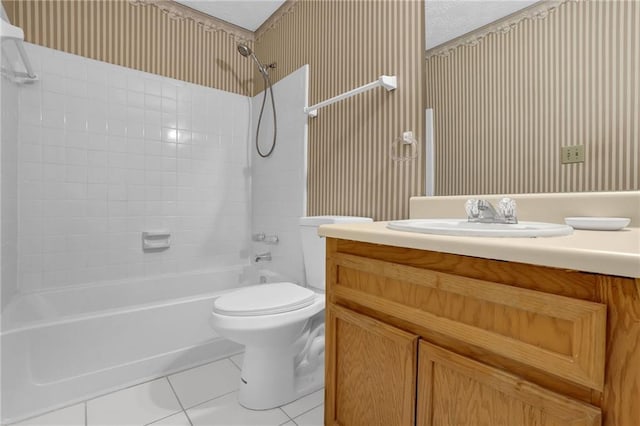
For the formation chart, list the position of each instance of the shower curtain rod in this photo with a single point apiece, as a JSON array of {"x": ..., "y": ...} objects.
[
  {"x": 15, "y": 34},
  {"x": 389, "y": 82}
]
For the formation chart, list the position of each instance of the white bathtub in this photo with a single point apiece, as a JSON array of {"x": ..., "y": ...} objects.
[{"x": 63, "y": 346}]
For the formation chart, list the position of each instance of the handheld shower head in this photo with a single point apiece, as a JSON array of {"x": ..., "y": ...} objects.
[{"x": 244, "y": 50}]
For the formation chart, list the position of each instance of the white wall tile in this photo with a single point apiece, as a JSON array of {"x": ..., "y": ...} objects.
[
  {"x": 154, "y": 86},
  {"x": 97, "y": 72},
  {"x": 116, "y": 77},
  {"x": 104, "y": 153},
  {"x": 97, "y": 92},
  {"x": 10, "y": 129},
  {"x": 74, "y": 87},
  {"x": 75, "y": 68},
  {"x": 53, "y": 118},
  {"x": 30, "y": 153}
]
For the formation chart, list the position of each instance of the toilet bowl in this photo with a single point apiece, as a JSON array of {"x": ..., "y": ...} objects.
[{"x": 282, "y": 327}]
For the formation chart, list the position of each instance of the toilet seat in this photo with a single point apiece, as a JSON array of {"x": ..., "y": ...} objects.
[{"x": 264, "y": 299}]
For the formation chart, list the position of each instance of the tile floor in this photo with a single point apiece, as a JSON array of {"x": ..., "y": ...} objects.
[{"x": 201, "y": 396}]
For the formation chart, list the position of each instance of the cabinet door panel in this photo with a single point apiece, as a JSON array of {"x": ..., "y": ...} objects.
[
  {"x": 454, "y": 390},
  {"x": 371, "y": 371}
]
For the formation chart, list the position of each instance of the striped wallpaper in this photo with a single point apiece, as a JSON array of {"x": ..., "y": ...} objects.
[
  {"x": 139, "y": 36},
  {"x": 348, "y": 44},
  {"x": 504, "y": 107}
]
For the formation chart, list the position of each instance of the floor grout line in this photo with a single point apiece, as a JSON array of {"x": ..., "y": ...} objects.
[
  {"x": 86, "y": 401},
  {"x": 179, "y": 402},
  {"x": 174, "y": 393},
  {"x": 305, "y": 412},
  {"x": 285, "y": 413},
  {"x": 183, "y": 409},
  {"x": 46, "y": 413},
  {"x": 211, "y": 399},
  {"x": 188, "y": 418},
  {"x": 122, "y": 389},
  {"x": 162, "y": 418}
]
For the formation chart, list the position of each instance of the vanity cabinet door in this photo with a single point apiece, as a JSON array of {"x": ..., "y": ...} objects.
[
  {"x": 454, "y": 390},
  {"x": 370, "y": 371}
]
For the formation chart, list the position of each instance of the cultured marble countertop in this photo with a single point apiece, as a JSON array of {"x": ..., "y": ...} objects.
[{"x": 603, "y": 252}]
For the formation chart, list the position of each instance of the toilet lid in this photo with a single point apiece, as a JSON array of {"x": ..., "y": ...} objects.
[{"x": 264, "y": 299}]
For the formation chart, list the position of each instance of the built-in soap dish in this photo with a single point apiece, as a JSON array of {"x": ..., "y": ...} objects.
[{"x": 594, "y": 223}]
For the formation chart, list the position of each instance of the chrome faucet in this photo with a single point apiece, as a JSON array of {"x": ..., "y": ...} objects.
[
  {"x": 263, "y": 257},
  {"x": 482, "y": 211}
]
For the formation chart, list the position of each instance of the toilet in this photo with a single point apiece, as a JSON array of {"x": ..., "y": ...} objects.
[{"x": 282, "y": 327}]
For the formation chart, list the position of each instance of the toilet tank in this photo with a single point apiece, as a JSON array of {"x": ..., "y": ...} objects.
[{"x": 313, "y": 246}]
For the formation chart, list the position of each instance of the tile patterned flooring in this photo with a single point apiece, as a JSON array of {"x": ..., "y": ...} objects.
[{"x": 200, "y": 396}]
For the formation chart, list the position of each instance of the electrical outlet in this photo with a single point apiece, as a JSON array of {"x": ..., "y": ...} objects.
[{"x": 572, "y": 154}]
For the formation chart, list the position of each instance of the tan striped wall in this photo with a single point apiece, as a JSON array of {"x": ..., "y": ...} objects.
[
  {"x": 504, "y": 107},
  {"x": 140, "y": 36},
  {"x": 348, "y": 44}
]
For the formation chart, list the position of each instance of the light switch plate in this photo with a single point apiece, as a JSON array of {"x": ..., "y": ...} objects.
[{"x": 572, "y": 154}]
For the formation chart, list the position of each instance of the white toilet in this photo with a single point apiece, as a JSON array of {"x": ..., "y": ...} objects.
[{"x": 281, "y": 326}]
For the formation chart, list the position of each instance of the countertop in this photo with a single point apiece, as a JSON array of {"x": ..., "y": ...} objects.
[{"x": 604, "y": 252}]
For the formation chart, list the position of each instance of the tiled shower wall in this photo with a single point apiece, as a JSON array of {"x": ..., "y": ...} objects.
[
  {"x": 9, "y": 190},
  {"x": 107, "y": 152}
]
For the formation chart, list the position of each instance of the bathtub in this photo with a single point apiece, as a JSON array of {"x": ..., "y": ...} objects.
[{"x": 64, "y": 346}]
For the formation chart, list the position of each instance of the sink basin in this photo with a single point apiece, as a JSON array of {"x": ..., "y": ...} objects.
[{"x": 464, "y": 228}]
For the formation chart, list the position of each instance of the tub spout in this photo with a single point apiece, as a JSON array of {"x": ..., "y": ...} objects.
[{"x": 262, "y": 257}]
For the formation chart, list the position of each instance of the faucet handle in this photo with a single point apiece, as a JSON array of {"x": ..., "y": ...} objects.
[
  {"x": 472, "y": 208},
  {"x": 271, "y": 239},
  {"x": 508, "y": 209}
]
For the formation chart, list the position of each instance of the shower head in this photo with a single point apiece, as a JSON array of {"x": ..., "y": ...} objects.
[{"x": 244, "y": 50}]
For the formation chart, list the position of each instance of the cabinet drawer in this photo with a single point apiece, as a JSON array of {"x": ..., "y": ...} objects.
[{"x": 556, "y": 334}]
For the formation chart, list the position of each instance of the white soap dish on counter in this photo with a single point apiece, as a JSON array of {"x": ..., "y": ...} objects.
[{"x": 595, "y": 223}]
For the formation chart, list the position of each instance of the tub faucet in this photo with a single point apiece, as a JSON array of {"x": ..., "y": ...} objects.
[
  {"x": 263, "y": 257},
  {"x": 482, "y": 211}
]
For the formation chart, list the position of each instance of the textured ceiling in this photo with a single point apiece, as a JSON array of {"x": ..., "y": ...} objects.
[
  {"x": 249, "y": 14},
  {"x": 448, "y": 19},
  {"x": 445, "y": 19}
]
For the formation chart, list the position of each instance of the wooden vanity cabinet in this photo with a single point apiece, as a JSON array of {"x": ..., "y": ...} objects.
[
  {"x": 375, "y": 368},
  {"x": 424, "y": 338}
]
